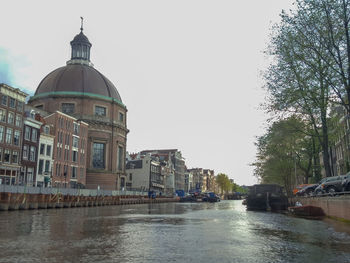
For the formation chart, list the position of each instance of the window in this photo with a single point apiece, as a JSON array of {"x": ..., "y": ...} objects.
[
  {"x": 65, "y": 172},
  {"x": 7, "y": 156},
  {"x": 14, "y": 157},
  {"x": 27, "y": 133},
  {"x": 81, "y": 158},
  {"x": 30, "y": 175},
  {"x": 66, "y": 154},
  {"x": 59, "y": 152},
  {"x": 100, "y": 111},
  {"x": 34, "y": 135},
  {"x": 0, "y": 154},
  {"x": 16, "y": 138},
  {"x": 12, "y": 103},
  {"x": 74, "y": 172},
  {"x": 82, "y": 144},
  {"x": 46, "y": 129},
  {"x": 75, "y": 156},
  {"x": 10, "y": 117},
  {"x": 32, "y": 153},
  {"x": 120, "y": 158},
  {"x": 8, "y": 135},
  {"x": 122, "y": 182},
  {"x": 75, "y": 142},
  {"x": 60, "y": 120},
  {"x": 47, "y": 166},
  {"x": 60, "y": 137},
  {"x": 25, "y": 152},
  {"x": 42, "y": 149},
  {"x": 68, "y": 108},
  {"x": 18, "y": 120},
  {"x": 19, "y": 106},
  {"x": 81, "y": 173},
  {"x": 76, "y": 128},
  {"x": 98, "y": 156},
  {"x": 58, "y": 169},
  {"x": 48, "y": 150},
  {"x": 41, "y": 165},
  {"x": 130, "y": 177},
  {"x": 84, "y": 52},
  {"x": 67, "y": 139},
  {"x": 4, "y": 100},
  {"x": 121, "y": 117},
  {"x": 2, "y": 133},
  {"x": 2, "y": 115}
]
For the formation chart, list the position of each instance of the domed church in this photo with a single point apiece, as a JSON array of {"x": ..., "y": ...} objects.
[{"x": 81, "y": 91}]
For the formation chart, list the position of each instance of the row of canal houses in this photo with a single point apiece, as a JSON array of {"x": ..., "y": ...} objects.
[
  {"x": 38, "y": 148},
  {"x": 164, "y": 171}
]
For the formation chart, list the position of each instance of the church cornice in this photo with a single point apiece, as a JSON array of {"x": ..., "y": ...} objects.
[{"x": 75, "y": 94}]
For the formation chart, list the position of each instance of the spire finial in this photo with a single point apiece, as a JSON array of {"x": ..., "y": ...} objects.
[{"x": 81, "y": 27}]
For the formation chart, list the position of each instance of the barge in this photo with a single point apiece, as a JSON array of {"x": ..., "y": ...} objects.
[{"x": 266, "y": 197}]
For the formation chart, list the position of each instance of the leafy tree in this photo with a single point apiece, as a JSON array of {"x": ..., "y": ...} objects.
[
  {"x": 284, "y": 153},
  {"x": 297, "y": 80},
  {"x": 237, "y": 188},
  {"x": 223, "y": 182},
  {"x": 324, "y": 26}
]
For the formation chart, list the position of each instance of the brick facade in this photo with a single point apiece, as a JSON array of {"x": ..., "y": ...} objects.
[
  {"x": 109, "y": 130},
  {"x": 69, "y": 151},
  {"x": 11, "y": 131}
]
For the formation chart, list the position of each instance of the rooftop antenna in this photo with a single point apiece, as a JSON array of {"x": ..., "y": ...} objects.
[{"x": 81, "y": 27}]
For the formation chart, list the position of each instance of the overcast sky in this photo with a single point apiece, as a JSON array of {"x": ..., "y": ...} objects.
[{"x": 188, "y": 71}]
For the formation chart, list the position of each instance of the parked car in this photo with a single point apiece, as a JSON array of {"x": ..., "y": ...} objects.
[
  {"x": 299, "y": 187},
  {"x": 331, "y": 185},
  {"x": 319, "y": 189},
  {"x": 346, "y": 183},
  {"x": 307, "y": 190}
]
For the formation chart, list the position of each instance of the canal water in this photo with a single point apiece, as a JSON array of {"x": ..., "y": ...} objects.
[{"x": 171, "y": 232}]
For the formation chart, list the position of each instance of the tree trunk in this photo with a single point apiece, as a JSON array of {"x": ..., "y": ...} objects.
[{"x": 325, "y": 145}]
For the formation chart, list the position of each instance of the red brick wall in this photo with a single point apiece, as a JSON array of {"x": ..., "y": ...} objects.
[{"x": 84, "y": 109}]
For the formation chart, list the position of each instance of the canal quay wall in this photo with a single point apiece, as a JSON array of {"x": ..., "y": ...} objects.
[
  {"x": 337, "y": 207},
  {"x": 21, "y": 198}
]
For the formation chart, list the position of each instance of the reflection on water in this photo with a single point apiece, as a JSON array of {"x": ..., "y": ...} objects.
[{"x": 175, "y": 232}]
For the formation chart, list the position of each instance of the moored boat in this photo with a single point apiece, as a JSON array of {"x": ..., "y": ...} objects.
[
  {"x": 266, "y": 197},
  {"x": 210, "y": 197},
  {"x": 188, "y": 198},
  {"x": 307, "y": 211}
]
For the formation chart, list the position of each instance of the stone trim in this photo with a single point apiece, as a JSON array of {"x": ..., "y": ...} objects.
[{"x": 75, "y": 93}]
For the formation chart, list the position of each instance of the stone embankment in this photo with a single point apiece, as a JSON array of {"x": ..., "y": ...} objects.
[
  {"x": 17, "y": 198},
  {"x": 333, "y": 206}
]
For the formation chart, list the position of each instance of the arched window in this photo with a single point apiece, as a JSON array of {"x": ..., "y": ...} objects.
[
  {"x": 78, "y": 51},
  {"x": 98, "y": 155}
]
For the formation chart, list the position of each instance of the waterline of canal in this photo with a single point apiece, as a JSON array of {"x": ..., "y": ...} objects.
[{"x": 171, "y": 232}]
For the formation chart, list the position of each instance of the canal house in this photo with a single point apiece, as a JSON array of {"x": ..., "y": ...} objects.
[
  {"x": 31, "y": 134},
  {"x": 11, "y": 130},
  {"x": 145, "y": 173}
]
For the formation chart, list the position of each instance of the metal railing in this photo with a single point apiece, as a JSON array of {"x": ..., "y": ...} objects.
[
  {"x": 66, "y": 191},
  {"x": 326, "y": 194}
]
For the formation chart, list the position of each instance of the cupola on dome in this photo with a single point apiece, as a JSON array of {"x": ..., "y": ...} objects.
[{"x": 78, "y": 77}]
